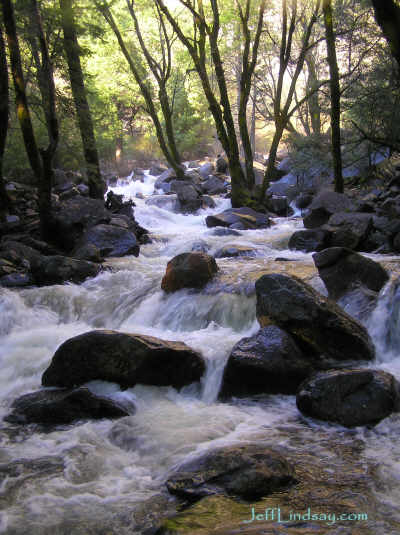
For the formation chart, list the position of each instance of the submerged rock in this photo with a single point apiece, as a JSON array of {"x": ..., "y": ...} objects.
[
  {"x": 343, "y": 270},
  {"x": 270, "y": 362},
  {"x": 126, "y": 359},
  {"x": 239, "y": 219},
  {"x": 249, "y": 472},
  {"x": 231, "y": 251},
  {"x": 349, "y": 397},
  {"x": 62, "y": 407},
  {"x": 318, "y": 325},
  {"x": 189, "y": 270}
]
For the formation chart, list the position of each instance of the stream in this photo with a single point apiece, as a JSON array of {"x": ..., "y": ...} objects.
[{"x": 104, "y": 476}]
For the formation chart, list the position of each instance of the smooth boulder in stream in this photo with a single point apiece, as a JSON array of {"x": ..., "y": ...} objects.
[
  {"x": 188, "y": 270},
  {"x": 239, "y": 218},
  {"x": 319, "y": 326},
  {"x": 248, "y": 472},
  {"x": 349, "y": 397},
  {"x": 123, "y": 358}
]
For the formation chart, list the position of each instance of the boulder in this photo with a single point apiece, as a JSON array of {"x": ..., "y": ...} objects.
[
  {"x": 309, "y": 240},
  {"x": 16, "y": 280},
  {"x": 324, "y": 205},
  {"x": 232, "y": 251},
  {"x": 88, "y": 252},
  {"x": 303, "y": 200},
  {"x": 349, "y": 229},
  {"x": 63, "y": 407},
  {"x": 249, "y": 472},
  {"x": 156, "y": 170},
  {"x": 317, "y": 324},
  {"x": 123, "y": 358},
  {"x": 349, "y": 397},
  {"x": 110, "y": 240},
  {"x": 165, "y": 178},
  {"x": 221, "y": 231},
  {"x": 278, "y": 205},
  {"x": 221, "y": 165},
  {"x": 270, "y": 362},
  {"x": 213, "y": 186},
  {"x": 189, "y": 270},
  {"x": 206, "y": 169},
  {"x": 76, "y": 215},
  {"x": 207, "y": 202},
  {"x": 167, "y": 202},
  {"x": 59, "y": 269},
  {"x": 342, "y": 270},
  {"x": 239, "y": 218},
  {"x": 188, "y": 196}
]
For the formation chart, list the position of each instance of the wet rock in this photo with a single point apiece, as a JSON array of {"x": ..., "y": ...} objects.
[
  {"x": 303, "y": 200},
  {"x": 224, "y": 232},
  {"x": 342, "y": 270},
  {"x": 164, "y": 178},
  {"x": 270, "y": 362},
  {"x": 214, "y": 186},
  {"x": 189, "y": 270},
  {"x": 16, "y": 280},
  {"x": 88, "y": 252},
  {"x": 326, "y": 204},
  {"x": 188, "y": 196},
  {"x": 31, "y": 468},
  {"x": 309, "y": 240},
  {"x": 200, "y": 246},
  {"x": 156, "y": 170},
  {"x": 207, "y": 202},
  {"x": 248, "y": 472},
  {"x": 349, "y": 397},
  {"x": 59, "y": 269},
  {"x": 206, "y": 169},
  {"x": 246, "y": 217},
  {"x": 75, "y": 216},
  {"x": 221, "y": 165},
  {"x": 110, "y": 240},
  {"x": 123, "y": 358},
  {"x": 232, "y": 251},
  {"x": 167, "y": 202},
  {"x": 349, "y": 229},
  {"x": 63, "y": 407},
  {"x": 278, "y": 205},
  {"x": 317, "y": 324}
]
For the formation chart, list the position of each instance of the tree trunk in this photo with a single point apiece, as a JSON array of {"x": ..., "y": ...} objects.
[
  {"x": 270, "y": 171},
  {"x": 253, "y": 120},
  {"x": 313, "y": 102},
  {"x": 335, "y": 96},
  {"x": 387, "y": 15},
  {"x": 4, "y": 199},
  {"x": 71, "y": 46}
]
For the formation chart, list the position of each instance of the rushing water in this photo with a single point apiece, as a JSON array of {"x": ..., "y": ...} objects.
[{"x": 97, "y": 477}]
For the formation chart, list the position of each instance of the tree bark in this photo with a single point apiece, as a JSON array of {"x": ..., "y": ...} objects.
[
  {"x": 4, "y": 198},
  {"x": 71, "y": 46},
  {"x": 335, "y": 96},
  {"x": 387, "y": 15}
]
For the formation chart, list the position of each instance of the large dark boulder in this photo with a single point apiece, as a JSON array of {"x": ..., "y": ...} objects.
[
  {"x": 126, "y": 359},
  {"x": 188, "y": 196},
  {"x": 324, "y": 205},
  {"x": 239, "y": 218},
  {"x": 214, "y": 186},
  {"x": 349, "y": 397},
  {"x": 165, "y": 178},
  {"x": 343, "y": 270},
  {"x": 349, "y": 229},
  {"x": 249, "y": 472},
  {"x": 278, "y": 205},
  {"x": 59, "y": 269},
  {"x": 156, "y": 170},
  {"x": 110, "y": 240},
  {"x": 319, "y": 326},
  {"x": 309, "y": 240},
  {"x": 76, "y": 215},
  {"x": 270, "y": 362},
  {"x": 63, "y": 407},
  {"x": 189, "y": 270},
  {"x": 221, "y": 165}
]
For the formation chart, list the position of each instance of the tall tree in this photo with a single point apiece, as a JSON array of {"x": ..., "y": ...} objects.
[
  {"x": 71, "y": 46},
  {"x": 4, "y": 199},
  {"x": 203, "y": 33},
  {"x": 40, "y": 159},
  {"x": 335, "y": 96},
  {"x": 387, "y": 15}
]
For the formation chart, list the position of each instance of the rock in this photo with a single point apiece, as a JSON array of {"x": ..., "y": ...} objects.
[
  {"x": 83, "y": 189},
  {"x": 326, "y": 204},
  {"x": 59, "y": 269},
  {"x": 156, "y": 170},
  {"x": 63, "y": 407},
  {"x": 317, "y": 324},
  {"x": 12, "y": 222},
  {"x": 164, "y": 178},
  {"x": 167, "y": 202},
  {"x": 247, "y": 217},
  {"x": 110, "y": 240},
  {"x": 189, "y": 270},
  {"x": 200, "y": 246},
  {"x": 248, "y": 472},
  {"x": 188, "y": 196},
  {"x": 349, "y": 229},
  {"x": 16, "y": 280},
  {"x": 303, "y": 200},
  {"x": 231, "y": 251},
  {"x": 206, "y": 169},
  {"x": 349, "y": 397},
  {"x": 193, "y": 165},
  {"x": 221, "y": 165},
  {"x": 342, "y": 270},
  {"x": 278, "y": 205},
  {"x": 309, "y": 240},
  {"x": 75, "y": 216},
  {"x": 123, "y": 358},
  {"x": 224, "y": 232},
  {"x": 88, "y": 252},
  {"x": 207, "y": 202},
  {"x": 17, "y": 251},
  {"x": 214, "y": 186},
  {"x": 270, "y": 362}
]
